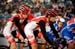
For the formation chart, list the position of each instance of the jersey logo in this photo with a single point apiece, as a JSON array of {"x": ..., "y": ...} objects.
[{"x": 70, "y": 22}]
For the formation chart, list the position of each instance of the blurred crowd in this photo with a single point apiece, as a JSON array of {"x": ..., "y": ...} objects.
[{"x": 38, "y": 8}]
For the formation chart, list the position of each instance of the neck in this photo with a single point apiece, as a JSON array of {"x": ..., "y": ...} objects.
[{"x": 48, "y": 20}]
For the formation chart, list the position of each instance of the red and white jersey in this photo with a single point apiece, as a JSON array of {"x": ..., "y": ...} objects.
[
  {"x": 37, "y": 19},
  {"x": 30, "y": 17},
  {"x": 71, "y": 21},
  {"x": 10, "y": 26},
  {"x": 31, "y": 26}
]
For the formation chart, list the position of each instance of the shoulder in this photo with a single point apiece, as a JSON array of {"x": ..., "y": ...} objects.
[
  {"x": 30, "y": 16},
  {"x": 12, "y": 18},
  {"x": 70, "y": 21},
  {"x": 39, "y": 18}
]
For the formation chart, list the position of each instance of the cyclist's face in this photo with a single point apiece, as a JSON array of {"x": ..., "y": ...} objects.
[
  {"x": 60, "y": 24},
  {"x": 26, "y": 11},
  {"x": 52, "y": 19}
]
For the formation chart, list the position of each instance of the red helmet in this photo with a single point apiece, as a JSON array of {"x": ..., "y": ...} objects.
[
  {"x": 51, "y": 12},
  {"x": 24, "y": 9}
]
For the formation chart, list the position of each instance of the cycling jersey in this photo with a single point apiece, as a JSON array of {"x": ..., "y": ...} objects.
[
  {"x": 31, "y": 26},
  {"x": 50, "y": 34},
  {"x": 68, "y": 33},
  {"x": 11, "y": 26}
]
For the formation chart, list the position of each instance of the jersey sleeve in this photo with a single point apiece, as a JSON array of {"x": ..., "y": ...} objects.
[{"x": 13, "y": 17}]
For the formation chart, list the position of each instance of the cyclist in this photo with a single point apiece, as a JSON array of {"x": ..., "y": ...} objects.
[
  {"x": 37, "y": 24},
  {"x": 58, "y": 26},
  {"x": 68, "y": 32},
  {"x": 17, "y": 22}
]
